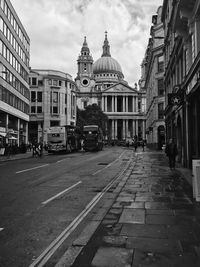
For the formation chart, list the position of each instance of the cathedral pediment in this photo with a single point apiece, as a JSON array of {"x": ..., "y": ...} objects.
[{"x": 120, "y": 88}]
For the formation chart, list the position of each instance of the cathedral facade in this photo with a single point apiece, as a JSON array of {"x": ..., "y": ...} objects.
[{"x": 102, "y": 83}]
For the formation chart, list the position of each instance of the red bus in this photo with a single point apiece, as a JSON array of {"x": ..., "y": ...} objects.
[{"x": 92, "y": 138}]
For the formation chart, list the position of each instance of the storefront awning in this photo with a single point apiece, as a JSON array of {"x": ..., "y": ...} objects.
[
  {"x": 2, "y": 134},
  {"x": 12, "y": 138}
]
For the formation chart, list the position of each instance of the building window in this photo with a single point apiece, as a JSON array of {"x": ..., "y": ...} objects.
[
  {"x": 160, "y": 87},
  {"x": 33, "y": 96},
  {"x": 32, "y": 109},
  {"x": 54, "y": 123},
  {"x": 55, "y": 97},
  {"x": 55, "y": 82},
  {"x": 55, "y": 110},
  {"x": 40, "y": 83},
  {"x": 160, "y": 111},
  {"x": 39, "y": 109},
  {"x": 50, "y": 82},
  {"x": 39, "y": 96},
  {"x": 34, "y": 81},
  {"x": 160, "y": 63},
  {"x": 60, "y": 83}
]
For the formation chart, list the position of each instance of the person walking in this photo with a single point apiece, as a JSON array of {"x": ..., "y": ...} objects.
[
  {"x": 135, "y": 145},
  {"x": 143, "y": 145},
  {"x": 171, "y": 152}
]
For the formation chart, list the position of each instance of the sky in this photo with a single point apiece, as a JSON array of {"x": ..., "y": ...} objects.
[{"x": 56, "y": 29}]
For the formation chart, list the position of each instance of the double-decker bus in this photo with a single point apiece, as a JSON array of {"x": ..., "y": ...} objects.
[
  {"x": 93, "y": 138},
  {"x": 63, "y": 139}
]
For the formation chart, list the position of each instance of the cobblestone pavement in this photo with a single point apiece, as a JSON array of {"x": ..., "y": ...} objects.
[{"x": 153, "y": 222}]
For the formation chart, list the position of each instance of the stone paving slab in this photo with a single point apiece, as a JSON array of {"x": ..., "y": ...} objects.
[
  {"x": 160, "y": 211},
  {"x": 160, "y": 219},
  {"x": 112, "y": 257},
  {"x": 154, "y": 245},
  {"x": 149, "y": 259},
  {"x": 132, "y": 216},
  {"x": 144, "y": 230}
]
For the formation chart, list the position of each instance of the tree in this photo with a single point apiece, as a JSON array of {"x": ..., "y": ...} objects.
[{"x": 92, "y": 115}]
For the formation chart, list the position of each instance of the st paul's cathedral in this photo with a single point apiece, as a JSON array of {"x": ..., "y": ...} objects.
[{"x": 102, "y": 83}]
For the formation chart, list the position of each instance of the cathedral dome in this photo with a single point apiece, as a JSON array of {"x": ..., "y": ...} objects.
[{"x": 107, "y": 64}]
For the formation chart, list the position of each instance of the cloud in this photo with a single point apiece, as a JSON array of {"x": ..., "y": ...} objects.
[{"x": 57, "y": 28}]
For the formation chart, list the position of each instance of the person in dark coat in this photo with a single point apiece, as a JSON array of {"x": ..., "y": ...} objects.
[
  {"x": 135, "y": 145},
  {"x": 171, "y": 152}
]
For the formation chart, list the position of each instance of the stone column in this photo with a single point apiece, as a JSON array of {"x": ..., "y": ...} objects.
[
  {"x": 126, "y": 103},
  {"x": 115, "y": 129},
  {"x": 115, "y": 103},
  {"x": 136, "y": 127},
  {"x": 106, "y": 104},
  {"x": 124, "y": 130},
  {"x": 143, "y": 129},
  {"x": 124, "y": 106},
  {"x": 133, "y": 127},
  {"x": 136, "y": 103},
  {"x": 102, "y": 104},
  {"x": 126, "y": 123}
]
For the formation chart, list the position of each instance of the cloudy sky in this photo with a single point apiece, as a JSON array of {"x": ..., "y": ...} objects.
[{"x": 57, "y": 28}]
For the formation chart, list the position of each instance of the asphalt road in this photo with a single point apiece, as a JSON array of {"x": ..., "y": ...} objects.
[{"x": 42, "y": 197}]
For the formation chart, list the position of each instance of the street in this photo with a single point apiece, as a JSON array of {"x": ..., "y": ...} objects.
[{"x": 41, "y": 197}]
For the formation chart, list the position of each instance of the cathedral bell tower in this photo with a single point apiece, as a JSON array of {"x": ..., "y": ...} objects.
[
  {"x": 85, "y": 78},
  {"x": 85, "y": 62}
]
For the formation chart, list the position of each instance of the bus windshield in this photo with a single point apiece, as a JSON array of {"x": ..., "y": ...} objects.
[{"x": 55, "y": 138}]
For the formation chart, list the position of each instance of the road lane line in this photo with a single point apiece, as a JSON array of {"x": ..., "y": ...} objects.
[
  {"x": 108, "y": 164},
  {"x": 122, "y": 154},
  {"x": 26, "y": 170},
  {"x": 49, "y": 251},
  {"x": 60, "y": 160},
  {"x": 1, "y": 229},
  {"x": 59, "y": 194}
]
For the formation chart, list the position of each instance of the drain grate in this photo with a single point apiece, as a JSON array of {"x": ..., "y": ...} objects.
[{"x": 102, "y": 163}]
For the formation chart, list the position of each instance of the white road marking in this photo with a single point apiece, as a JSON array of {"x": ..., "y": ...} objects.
[
  {"x": 26, "y": 170},
  {"x": 109, "y": 164},
  {"x": 60, "y": 160},
  {"x": 122, "y": 154},
  {"x": 59, "y": 194},
  {"x": 1, "y": 229},
  {"x": 51, "y": 249}
]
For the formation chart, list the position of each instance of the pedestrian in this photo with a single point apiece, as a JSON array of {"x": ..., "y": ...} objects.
[
  {"x": 171, "y": 152},
  {"x": 135, "y": 146},
  {"x": 143, "y": 145}
]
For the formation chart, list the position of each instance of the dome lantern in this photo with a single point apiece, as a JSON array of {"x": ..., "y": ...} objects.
[{"x": 106, "y": 47}]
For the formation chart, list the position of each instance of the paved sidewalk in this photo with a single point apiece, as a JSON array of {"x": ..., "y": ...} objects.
[
  {"x": 153, "y": 221},
  {"x": 26, "y": 155},
  {"x": 16, "y": 156}
]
